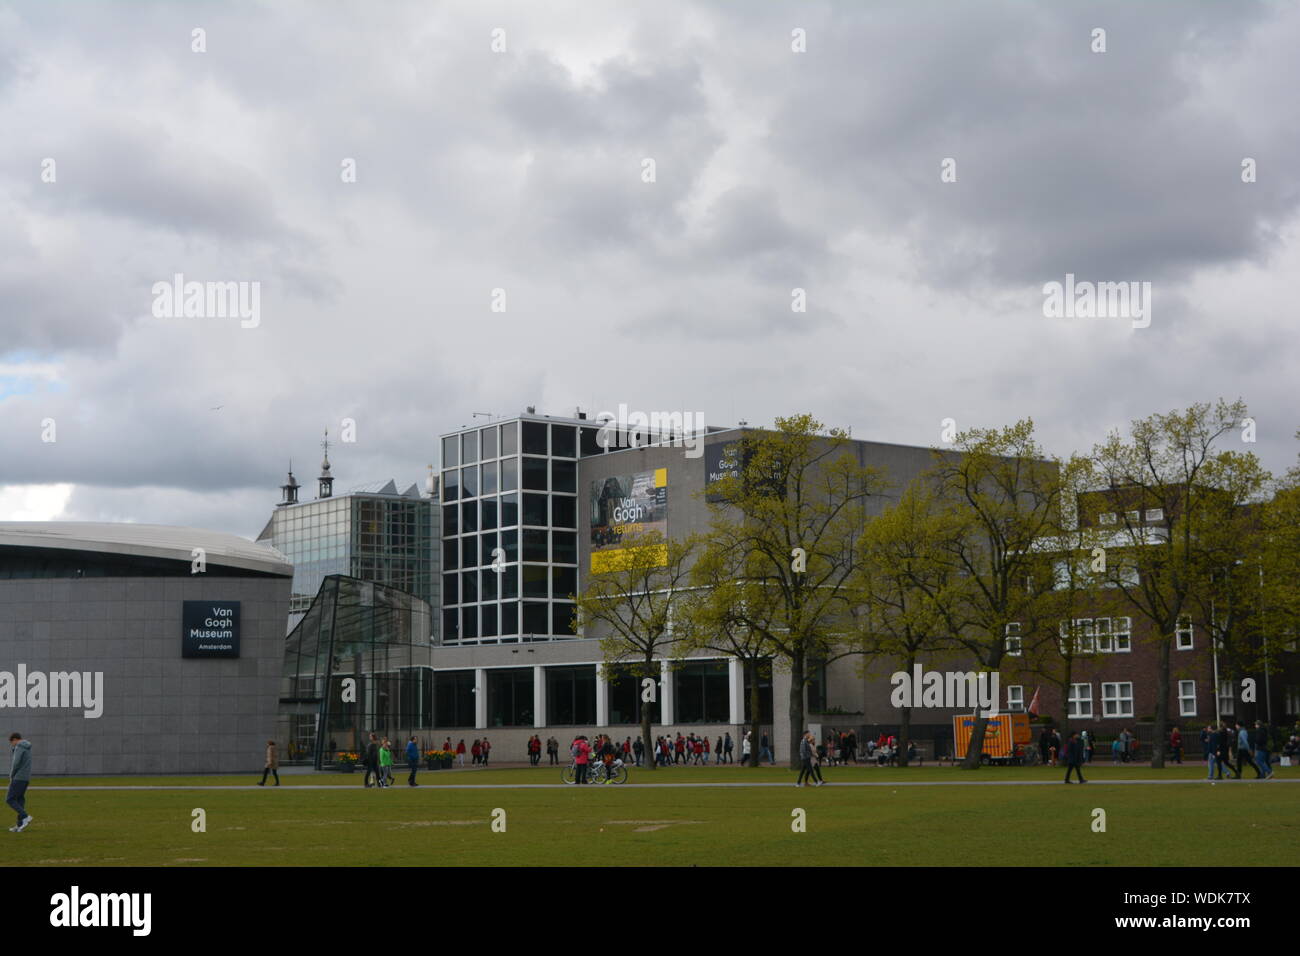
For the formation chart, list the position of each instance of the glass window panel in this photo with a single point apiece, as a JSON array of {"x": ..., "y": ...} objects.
[
  {"x": 591, "y": 442},
  {"x": 450, "y": 589},
  {"x": 535, "y": 509},
  {"x": 451, "y": 485},
  {"x": 534, "y": 440},
  {"x": 510, "y": 617},
  {"x": 453, "y": 695},
  {"x": 563, "y": 441},
  {"x": 537, "y": 618},
  {"x": 564, "y": 547},
  {"x": 509, "y": 581},
  {"x": 468, "y": 587},
  {"x": 487, "y": 542},
  {"x": 534, "y": 473},
  {"x": 535, "y": 546},
  {"x": 509, "y": 510},
  {"x": 468, "y": 623},
  {"x": 469, "y": 481},
  {"x": 450, "y": 458},
  {"x": 489, "y": 476},
  {"x": 536, "y": 582},
  {"x": 510, "y": 542},
  {"x": 488, "y": 622},
  {"x": 489, "y": 442},
  {"x": 564, "y": 582},
  {"x": 451, "y": 554},
  {"x": 509, "y": 441},
  {"x": 469, "y": 447},
  {"x": 510, "y": 697},
  {"x": 564, "y": 476},
  {"x": 509, "y": 474},
  {"x": 487, "y": 513},
  {"x": 564, "y": 511},
  {"x": 469, "y": 516},
  {"x": 469, "y": 552},
  {"x": 489, "y": 582}
]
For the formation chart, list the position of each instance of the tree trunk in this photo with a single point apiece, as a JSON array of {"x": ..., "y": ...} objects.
[
  {"x": 905, "y": 720},
  {"x": 796, "y": 707},
  {"x": 755, "y": 716},
  {"x": 1162, "y": 704},
  {"x": 650, "y": 757},
  {"x": 972, "y": 759}
]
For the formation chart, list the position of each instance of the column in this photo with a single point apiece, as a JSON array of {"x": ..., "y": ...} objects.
[
  {"x": 736, "y": 688},
  {"x": 480, "y": 699},
  {"x": 539, "y": 696},
  {"x": 666, "y": 715},
  {"x": 602, "y": 697}
]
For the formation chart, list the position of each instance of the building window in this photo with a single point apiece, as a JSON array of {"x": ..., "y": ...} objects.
[
  {"x": 489, "y": 442},
  {"x": 1187, "y": 698},
  {"x": 1117, "y": 699},
  {"x": 1101, "y": 627},
  {"x": 1106, "y": 518},
  {"x": 1080, "y": 701},
  {"x": 510, "y": 697},
  {"x": 534, "y": 438},
  {"x": 1133, "y": 517},
  {"x": 701, "y": 693},
  {"x": 1227, "y": 699},
  {"x": 1016, "y": 698},
  {"x": 453, "y": 698},
  {"x": 571, "y": 695},
  {"x": 1013, "y": 645},
  {"x": 1155, "y": 514},
  {"x": 765, "y": 711},
  {"x": 625, "y": 695},
  {"x": 1293, "y": 701},
  {"x": 1121, "y": 634},
  {"x": 1184, "y": 634}
]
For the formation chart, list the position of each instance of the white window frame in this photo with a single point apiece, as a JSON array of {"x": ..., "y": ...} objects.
[
  {"x": 1187, "y": 698},
  {"x": 1121, "y": 634},
  {"x": 1013, "y": 638},
  {"x": 1133, "y": 517},
  {"x": 1080, "y": 703},
  {"x": 1101, "y": 628},
  {"x": 1016, "y": 698},
  {"x": 1188, "y": 632},
  {"x": 1155, "y": 514},
  {"x": 1107, "y": 517},
  {"x": 1227, "y": 698},
  {"x": 1087, "y": 641},
  {"x": 1114, "y": 695}
]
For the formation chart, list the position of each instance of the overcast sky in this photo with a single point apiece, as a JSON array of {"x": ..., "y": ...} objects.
[{"x": 522, "y": 170}]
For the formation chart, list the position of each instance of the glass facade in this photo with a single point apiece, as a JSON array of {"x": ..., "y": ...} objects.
[
  {"x": 513, "y": 534},
  {"x": 388, "y": 539},
  {"x": 359, "y": 662}
]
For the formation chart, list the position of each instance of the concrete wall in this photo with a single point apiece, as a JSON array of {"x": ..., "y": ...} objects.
[{"x": 161, "y": 713}]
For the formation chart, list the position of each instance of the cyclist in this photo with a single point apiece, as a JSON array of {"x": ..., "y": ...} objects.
[{"x": 607, "y": 756}]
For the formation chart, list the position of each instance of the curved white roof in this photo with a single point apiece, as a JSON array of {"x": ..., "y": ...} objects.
[{"x": 149, "y": 540}]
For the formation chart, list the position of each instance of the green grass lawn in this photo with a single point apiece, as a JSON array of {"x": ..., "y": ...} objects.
[{"x": 340, "y": 823}]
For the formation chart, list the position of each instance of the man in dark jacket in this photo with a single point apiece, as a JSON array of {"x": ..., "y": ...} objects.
[
  {"x": 1263, "y": 762},
  {"x": 20, "y": 775},
  {"x": 372, "y": 761},
  {"x": 1074, "y": 757},
  {"x": 1219, "y": 757}
]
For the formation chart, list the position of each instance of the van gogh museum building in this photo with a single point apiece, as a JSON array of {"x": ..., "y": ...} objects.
[{"x": 444, "y": 612}]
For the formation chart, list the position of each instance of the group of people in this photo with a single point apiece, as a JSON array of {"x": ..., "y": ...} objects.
[
  {"x": 585, "y": 752},
  {"x": 1221, "y": 744},
  {"x": 841, "y": 747},
  {"x": 377, "y": 761}
]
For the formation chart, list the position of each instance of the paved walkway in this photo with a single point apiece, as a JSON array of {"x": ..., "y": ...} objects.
[{"x": 701, "y": 785}]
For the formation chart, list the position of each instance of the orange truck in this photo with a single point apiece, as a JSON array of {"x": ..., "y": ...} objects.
[{"x": 1004, "y": 737}]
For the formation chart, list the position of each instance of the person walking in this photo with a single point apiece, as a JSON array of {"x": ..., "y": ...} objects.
[
  {"x": 553, "y": 750},
  {"x": 412, "y": 760},
  {"x": 386, "y": 763},
  {"x": 487, "y": 750},
  {"x": 1125, "y": 745},
  {"x": 806, "y": 755},
  {"x": 1262, "y": 760},
  {"x": 1206, "y": 750},
  {"x": 1085, "y": 738},
  {"x": 476, "y": 752},
  {"x": 745, "y": 748},
  {"x": 372, "y": 761},
  {"x": 1219, "y": 761},
  {"x": 764, "y": 751},
  {"x": 1245, "y": 752},
  {"x": 728, "y": 745},
  {"x": 460, "y": 752},
  {"x": 638, "y": 751},
  {"x": 1074, "y": 757},
  {"x": 272, "y": 764},
  {"x": 20, "y": 775},
  {"x": 1176, "y": 745}
]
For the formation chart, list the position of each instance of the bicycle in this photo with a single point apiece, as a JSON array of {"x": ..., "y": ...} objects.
[{"x": 597, "y": 772}]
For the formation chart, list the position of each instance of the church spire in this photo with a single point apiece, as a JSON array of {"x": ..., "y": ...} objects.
[
  {"x": 326, "y": 480},
  {"x": 289, "y": 490}
]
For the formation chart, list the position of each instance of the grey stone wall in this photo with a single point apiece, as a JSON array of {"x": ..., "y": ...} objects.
[{"x": 162, "y": 714}]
